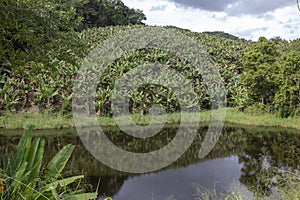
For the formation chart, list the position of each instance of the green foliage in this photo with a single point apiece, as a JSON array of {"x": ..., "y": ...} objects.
[
  {"x": 48, "y": 84},
  {"x": 100, "y": 13},
  {"x": 260, "y": 67},
  {"x": 226, "y": 53},
  {"x": 272, "y": 76},
  {"x": 222, "y": 34},
  {"x": 37, "y": 39},
  {"x": 58, "y": 163},
  {"x": 41, "y": 54},
  {"x": 28, "y": 25},
  {"x": 25, "y": 178},
  {"x": 287, "y": 100}
]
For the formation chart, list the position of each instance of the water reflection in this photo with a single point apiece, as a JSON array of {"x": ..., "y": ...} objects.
[
  {"x": 266, "y": 156},
  {"x": 182, "y": 182},
  {"x": 242, "y": 156}
]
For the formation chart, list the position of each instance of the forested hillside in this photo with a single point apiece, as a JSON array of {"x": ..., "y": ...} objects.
[{"x": 43, "y": 44}]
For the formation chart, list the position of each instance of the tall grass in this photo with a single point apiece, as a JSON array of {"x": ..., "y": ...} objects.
[
  {"x": 37, "y": 119},
  {"x": 55, "y": 120}
]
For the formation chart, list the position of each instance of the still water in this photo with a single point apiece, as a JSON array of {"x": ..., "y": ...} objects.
[{"x": 241, "y": 160}]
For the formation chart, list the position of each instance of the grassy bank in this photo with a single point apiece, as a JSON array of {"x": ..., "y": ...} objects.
[{"x": 57, "y": 121}]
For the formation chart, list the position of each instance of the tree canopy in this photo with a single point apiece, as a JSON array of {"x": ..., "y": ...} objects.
[
  {"x": 99, "y": 13},
  {"x": 27, "y": 26},
  {"x": 272, "y": 75},
  {"x": 260, "y": 66}
]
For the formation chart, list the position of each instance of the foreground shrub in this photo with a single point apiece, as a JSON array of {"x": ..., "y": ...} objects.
[{"x": 23, "y": 177}]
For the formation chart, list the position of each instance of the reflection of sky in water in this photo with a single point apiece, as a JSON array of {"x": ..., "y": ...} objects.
[{"x": 181, "y": 183}]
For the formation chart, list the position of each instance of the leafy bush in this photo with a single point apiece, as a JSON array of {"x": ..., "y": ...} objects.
[
  {"x": 272, "y": 75},
  {"x": 24, "y": 177}
]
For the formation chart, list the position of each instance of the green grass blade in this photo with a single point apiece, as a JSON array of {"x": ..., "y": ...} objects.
[
  {"x": 17, "y": 183},
  {"x": 7, "y": 164},
  {"x": 84, "y": 196}
]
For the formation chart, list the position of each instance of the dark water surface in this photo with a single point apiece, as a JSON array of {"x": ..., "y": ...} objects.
[{"x": 239, "y": 160}]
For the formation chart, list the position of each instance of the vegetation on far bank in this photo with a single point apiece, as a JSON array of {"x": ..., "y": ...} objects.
[
  {"x": 233, "y": 116},
  {"x": 40, "y": 60}
]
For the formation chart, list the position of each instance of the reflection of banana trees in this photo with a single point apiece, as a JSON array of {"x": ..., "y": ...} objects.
[
  {"x": 266, "y": 157},
  {"x": 257, "y": 151}
]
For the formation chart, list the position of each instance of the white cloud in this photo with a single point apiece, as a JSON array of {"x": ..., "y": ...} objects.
[
  {"x": 158, "y": 8},
  {"x": 283, "y": 22},
  {"x": 240, "y": 7}
]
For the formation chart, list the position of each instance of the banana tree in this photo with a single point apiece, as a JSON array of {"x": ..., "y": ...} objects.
[{"x": 23, "y": 177}]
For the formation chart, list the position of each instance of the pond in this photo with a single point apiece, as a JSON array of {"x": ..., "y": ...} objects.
[{"x": 241, "y": 160}]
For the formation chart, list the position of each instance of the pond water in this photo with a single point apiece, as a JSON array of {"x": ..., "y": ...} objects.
[{"x": 241, "y": 160}]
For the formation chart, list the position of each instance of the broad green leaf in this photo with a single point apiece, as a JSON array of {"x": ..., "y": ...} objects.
[
  {"x": 23, "y": 148},
  {"x": 35, "y": 158},
  {"x": 61, "y": 183},
  {"x": 58, "y": 163},
  {"x": 36, "y": 151},
  {"x": 84, "y": 196}
]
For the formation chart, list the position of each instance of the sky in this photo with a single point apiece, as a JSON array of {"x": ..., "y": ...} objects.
[{"x": 248, "y": 19}]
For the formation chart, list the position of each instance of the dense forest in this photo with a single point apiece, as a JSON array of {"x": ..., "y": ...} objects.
[{"x": 43, "y": 44}]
